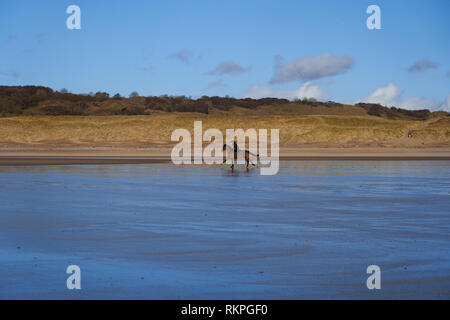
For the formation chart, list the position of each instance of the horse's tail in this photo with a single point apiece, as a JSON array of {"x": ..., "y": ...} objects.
[{"x": 255, "y": 155}]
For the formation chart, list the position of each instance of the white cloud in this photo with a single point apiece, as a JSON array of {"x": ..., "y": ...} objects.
[
  {"x": 418, "y": 103},
  {"x": 307, "y": 90},
  {"x": 310, "y": 68},
  {"x": 390, "y": 95},
  {"x": 310, "y": 90},
  {"x": 446, "y": 104}
]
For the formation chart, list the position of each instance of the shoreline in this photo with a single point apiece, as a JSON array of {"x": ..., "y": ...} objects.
[{"x": 73, "y": 156}]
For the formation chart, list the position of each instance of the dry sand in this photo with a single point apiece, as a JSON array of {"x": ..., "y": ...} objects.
[
  {"x": 144, "y": 139},
  {"x": 103, "y": 155}
]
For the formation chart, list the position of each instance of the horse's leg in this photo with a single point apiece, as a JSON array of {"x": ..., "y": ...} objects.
[
  {"x": 225, "y": 155},
  {"x": 234, "y": 158},
  {"x": 247, "y": 158},
  {"x": 232, "y": 162}
]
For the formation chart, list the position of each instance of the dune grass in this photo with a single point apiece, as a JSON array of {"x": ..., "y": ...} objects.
[{"x": 156, "y": 128}]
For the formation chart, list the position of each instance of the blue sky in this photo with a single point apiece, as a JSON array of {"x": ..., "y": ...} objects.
[{"x": 207, "y": 47}]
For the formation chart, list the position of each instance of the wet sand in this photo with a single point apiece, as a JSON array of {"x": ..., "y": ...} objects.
[
  {"x": 67, "y": 156},
  {"x": 58, "y": 160},
  {"x": 160, "y": 231}
]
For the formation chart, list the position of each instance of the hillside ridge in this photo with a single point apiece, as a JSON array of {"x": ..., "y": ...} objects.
[{"x": 40, "y": 100}]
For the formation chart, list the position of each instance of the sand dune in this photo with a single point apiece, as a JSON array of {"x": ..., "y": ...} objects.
[{"x": 154, "y": 131}]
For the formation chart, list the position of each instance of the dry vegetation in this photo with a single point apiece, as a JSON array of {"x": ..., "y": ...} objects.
[
  {"x": 39, "y": 116},
  {"x": 155, "y": 130}
]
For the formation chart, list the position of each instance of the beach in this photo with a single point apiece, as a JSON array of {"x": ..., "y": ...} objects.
[
  {"x": 104, "y": 155},
  {"x": 256, "y": 154},
  {"x": 160, "y": 231},
  {"x": 102, "y": 193}
]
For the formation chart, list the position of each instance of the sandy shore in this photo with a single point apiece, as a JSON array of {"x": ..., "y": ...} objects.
[
  {"x": 202, "y": 232},
  {"x": 104, "y": 155}
]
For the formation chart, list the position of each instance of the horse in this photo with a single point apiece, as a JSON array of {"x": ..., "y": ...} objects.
[{"x": 247, "y": 154}]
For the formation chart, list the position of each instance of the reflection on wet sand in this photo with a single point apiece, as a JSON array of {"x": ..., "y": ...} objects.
[{"x": 196, "y": 231}]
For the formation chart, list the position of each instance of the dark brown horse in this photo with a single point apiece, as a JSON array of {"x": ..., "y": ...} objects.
[{"x": 235, "y": 152}]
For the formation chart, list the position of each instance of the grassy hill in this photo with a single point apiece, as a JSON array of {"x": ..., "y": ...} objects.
[
  {"x": 39, "y": 116},
  {"x": 155, "y": 130}
]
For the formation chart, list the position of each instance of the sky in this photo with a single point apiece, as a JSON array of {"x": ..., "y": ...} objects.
[{"x": 248, "y": 48}]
